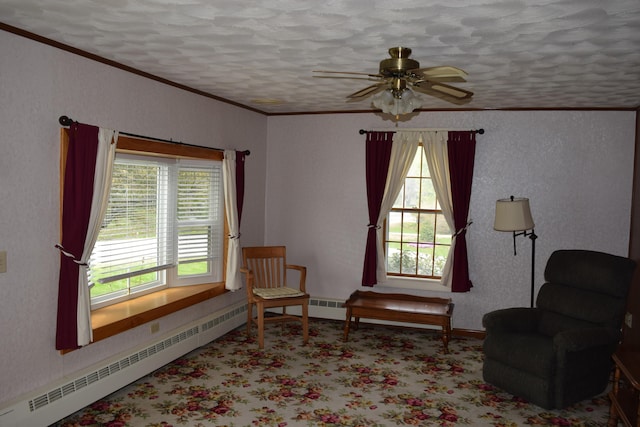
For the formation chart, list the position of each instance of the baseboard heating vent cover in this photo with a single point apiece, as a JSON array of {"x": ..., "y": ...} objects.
[
  {"x": 71, "y": 387},
  {"x": 326, "y": 303},
  {"x": 322, "y": 308},
  {"x": 223, "y": 318}
]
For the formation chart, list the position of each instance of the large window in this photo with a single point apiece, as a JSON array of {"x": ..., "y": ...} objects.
[
  {"x": 164, "y": 226},
  {"x": 417, "y": 237}
]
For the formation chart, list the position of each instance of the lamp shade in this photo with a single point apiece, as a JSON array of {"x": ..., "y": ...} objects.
[{"x": 513, "y": 214}]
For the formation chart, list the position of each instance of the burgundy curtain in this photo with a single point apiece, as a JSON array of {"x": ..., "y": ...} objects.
[
  {"x": 378, "y": 154},
  {"x": 76, "y": 210},
  {"x": 240, "y": 155},
  {"x": 461, "y": 148}
]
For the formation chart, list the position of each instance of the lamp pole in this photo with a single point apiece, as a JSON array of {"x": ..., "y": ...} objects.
[
  {"x": 513, "y": 214},
  {"x": 532, "y": 235},
  {"x": 533, "y": 238}
]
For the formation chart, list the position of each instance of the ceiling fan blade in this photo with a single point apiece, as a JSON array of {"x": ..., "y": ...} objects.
[
  {"x": 444, "y": 73},
  {"x": 446, "y": 89},
  {"x": 451, "y": 90},
  {"x": 452, "y": 79},
  {"x": 369, "y": 90},
  {"x": 428, "y": 88}
]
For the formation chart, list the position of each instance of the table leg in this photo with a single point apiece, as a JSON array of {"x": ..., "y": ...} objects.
[
  {"x": 347, "y": 324},
  {"x": 260, "y": 326}
]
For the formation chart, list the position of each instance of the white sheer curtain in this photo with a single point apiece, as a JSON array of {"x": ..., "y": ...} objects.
[
  {"x": 403, "y": 151},
  {"x": 435, "y": 150},
  {"x": 107, "y": 140},
  {"x": 233, "y": 281}
]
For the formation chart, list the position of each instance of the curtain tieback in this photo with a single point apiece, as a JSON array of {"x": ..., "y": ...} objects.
[
  {"x": 377, "y": 227},
  {"x": 72, "y": 256},
  {"x": 463, "y": 229},
  {"x": 232, "y": 236}
]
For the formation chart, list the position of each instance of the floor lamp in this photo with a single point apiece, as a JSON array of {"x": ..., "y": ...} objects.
[{"x": 514, "y": 214}]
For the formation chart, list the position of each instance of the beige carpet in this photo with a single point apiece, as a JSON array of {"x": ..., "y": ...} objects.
[{"x": 381, "y": 377}]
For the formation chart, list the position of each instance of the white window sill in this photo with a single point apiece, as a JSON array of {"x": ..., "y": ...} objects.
[{"x": 412, "y": 283}]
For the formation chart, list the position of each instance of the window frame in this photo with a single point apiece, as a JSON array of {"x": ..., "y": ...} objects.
[{"x": 414, "y": 281}]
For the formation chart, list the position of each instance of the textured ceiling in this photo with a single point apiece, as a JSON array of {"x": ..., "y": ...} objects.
[{"x": 518, "y": 54}]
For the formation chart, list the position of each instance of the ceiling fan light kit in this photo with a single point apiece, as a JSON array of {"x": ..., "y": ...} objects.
[
  {"x": 396, "y": 103},
  {"x": 400, "y": 77}
]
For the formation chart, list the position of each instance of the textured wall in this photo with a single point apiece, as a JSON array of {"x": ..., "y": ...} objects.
[
  {"x": 37, "y": 85},
  {"x": 575, "y": 166}
]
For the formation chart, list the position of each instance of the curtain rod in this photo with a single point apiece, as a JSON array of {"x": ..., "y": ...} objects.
[
  {"x": 362, "y": 131},
  {"x": 66, "y": 121}
]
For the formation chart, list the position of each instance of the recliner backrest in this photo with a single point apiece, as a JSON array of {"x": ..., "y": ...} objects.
[
  {"x": 589, "y": 270},
  {"x": 584, "y": 288}
]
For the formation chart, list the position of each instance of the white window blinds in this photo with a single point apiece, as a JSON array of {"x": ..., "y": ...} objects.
[
  {"x": 164, "y": 215},
  {"x": 137, "y": 231},
  {"x": 199, "y": 216}
]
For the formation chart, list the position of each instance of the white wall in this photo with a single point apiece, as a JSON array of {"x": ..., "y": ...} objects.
[
  {"x": 575, "y": 166},
  {"x": 38, "y": 84}
]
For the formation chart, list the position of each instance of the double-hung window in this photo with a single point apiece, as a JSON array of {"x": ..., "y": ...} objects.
[
  {"x": 163, "y": 227},
  {"x": 417, "y": 237}
]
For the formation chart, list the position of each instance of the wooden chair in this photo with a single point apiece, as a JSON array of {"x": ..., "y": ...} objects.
[{"x": 265, "y": 269}]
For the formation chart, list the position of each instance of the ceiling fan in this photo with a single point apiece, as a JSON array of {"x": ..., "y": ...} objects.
[{"x": 399, "y": 74}]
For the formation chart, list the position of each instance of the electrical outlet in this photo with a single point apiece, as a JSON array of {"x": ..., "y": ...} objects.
[
  {"x": 628, "y": 319},
  {"x": 3, "y": 261},
  {"x": 155, "y": 327}
]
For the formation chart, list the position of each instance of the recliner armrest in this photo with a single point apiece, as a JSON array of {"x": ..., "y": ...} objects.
[
  {"x": 519, "y": 319},
  {"x": 581, "y": 339}
]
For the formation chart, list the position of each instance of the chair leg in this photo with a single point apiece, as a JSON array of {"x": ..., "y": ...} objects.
[
  {"x": 305, "y": 323},
  {"x": 260, "y": 326},
  {"x": 284, "y": 313},
  {"x": 249, "y": 319}
]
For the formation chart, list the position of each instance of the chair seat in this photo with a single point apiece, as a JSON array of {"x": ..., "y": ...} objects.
[{"x": 272, "y": 293}]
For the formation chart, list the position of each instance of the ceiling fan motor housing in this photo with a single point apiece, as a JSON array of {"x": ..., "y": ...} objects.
[{"x": 399, "y": 64}]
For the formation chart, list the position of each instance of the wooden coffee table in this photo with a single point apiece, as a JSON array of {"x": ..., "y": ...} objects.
[{"x": 400, "y": 308}]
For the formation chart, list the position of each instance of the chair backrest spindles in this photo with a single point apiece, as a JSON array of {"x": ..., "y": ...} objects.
[{"x": 267, "y": 265}]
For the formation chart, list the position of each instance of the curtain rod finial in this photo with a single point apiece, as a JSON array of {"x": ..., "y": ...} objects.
[{"x": 65, "y": 121}]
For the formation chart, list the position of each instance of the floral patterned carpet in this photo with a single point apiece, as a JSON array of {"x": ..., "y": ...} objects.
[{"x": 381, "y": 377}]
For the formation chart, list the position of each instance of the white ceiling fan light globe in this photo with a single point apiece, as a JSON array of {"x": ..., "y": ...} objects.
[
  {"x": 410, "y": 100},
  {"x": 383, "y": 100}
]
